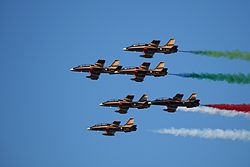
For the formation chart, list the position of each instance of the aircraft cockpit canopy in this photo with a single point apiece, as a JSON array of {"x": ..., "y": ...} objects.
[
  {"x": 140, "y": 44},
  {"x": 113, "y": 100}
]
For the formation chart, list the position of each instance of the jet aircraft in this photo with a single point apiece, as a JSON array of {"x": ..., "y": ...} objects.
[
  {"x": 110, "y": 129},
  {"x": 143, "y": 70},
  {"x": 150, "y": 49},
  {"x": 173, "y": 103},
  {"x": 96, "y": 69},
  {"x": 126, "y": 103}
]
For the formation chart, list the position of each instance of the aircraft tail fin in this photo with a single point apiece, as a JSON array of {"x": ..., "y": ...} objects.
[
  {"x": 192, "y": 97},
  {"x": 115, "y": 66},
  {"x": 170, "y": 43},
  {"x": 160, "y": 66},
  {"x": 143, "y": 98},
  {"x": 130, "y": 122}
]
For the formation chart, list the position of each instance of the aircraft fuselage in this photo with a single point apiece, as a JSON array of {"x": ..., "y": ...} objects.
[
  {"x": 138, "y": 72},
  {"x": 88, "y": 69},
  {"x": 151, "y": 49},
  {"x": 171, "y": 102},
  {"x": 111, "y": 128},
  {"x": 139, "y": 105}
]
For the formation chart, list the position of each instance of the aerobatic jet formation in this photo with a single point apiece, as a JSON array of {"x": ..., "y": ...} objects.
[
  {"x": 173, "y": 103},
  {"x": 96, "y": 69},
  {"x": 110, "y": 129},
  {"x": 126, "y": 103},
  {"x": 139, "y": 72},
  {"x": 142, "y": 71},
  {"x": 150, "y": 49}
]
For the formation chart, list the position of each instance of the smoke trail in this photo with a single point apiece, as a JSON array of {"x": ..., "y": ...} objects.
[
  {"x": 237, "y": 107},
  {"x": 207, "y": 133},
  {"x": 229, "y": 54},
  {"x": 230, "y": 78},
  {"x": 215, "y": 111}
]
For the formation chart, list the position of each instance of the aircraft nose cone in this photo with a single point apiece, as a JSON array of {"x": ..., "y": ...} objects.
[
  {"x": 88, "y": 128},
  {"x": 101, "y": 104},
  {"x": 124, "y": 48},
  {"x": 72, "y": 69}
]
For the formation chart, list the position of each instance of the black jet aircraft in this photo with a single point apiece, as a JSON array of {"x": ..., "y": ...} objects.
[
  {"x": 150, "y": 49},
  {"x": 142, "y": 71},
  {"x": 110, "y": 129},
  {"x": 96, "y": 69},
  {"x": 124, "y": 104},
  {"x": 173, "y": 103}
]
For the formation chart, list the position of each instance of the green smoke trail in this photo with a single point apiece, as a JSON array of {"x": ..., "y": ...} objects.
[
  {"x": 229, "y": 54},
  {"x": 230, "y": 78}
]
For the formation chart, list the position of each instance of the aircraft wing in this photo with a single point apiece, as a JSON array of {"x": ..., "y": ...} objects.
[
  {"x": 116, "y": 123},
  {"x": 99, "y": 63},
  {"x": 178, "y": 97},
  {"x": 148, "y": 54},
  {"x": 171, "y": 108},
  {"x": 145, "y": 66},
  {"x": 94, "y": 76},
  {"x": 139, "y": 78},
  {"x": 122, "y": 110},
  {"x": 155, "y": 43},
  {"x": 129, "y": 98},
  {"x": 109, "y": 133}
]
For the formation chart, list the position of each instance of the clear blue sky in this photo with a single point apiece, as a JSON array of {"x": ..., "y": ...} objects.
[{"x": 45, "y": 108}]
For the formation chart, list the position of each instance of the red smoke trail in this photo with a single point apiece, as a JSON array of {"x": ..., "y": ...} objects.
[{"x": 237, "y": 107}]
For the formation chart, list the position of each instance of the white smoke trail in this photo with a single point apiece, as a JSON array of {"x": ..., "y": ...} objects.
[
  {"x": 207, "y": 133},
  {"x": 213, "y": 111}
]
